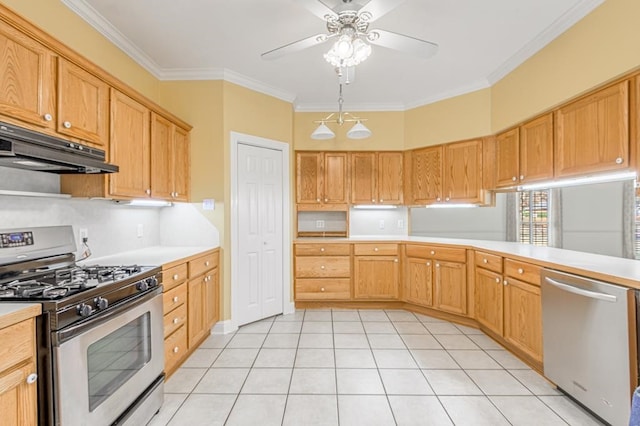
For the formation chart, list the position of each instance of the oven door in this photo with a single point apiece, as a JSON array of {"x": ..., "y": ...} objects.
[{"x": 101, "y": 367}]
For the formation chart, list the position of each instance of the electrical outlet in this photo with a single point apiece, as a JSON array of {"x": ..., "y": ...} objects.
[
  {"x": 208, "y": 204},
  {"x": 82, "y": 234},
  {"x": 320, "y": 224},
  {"x": 400, "y": 224},
  {"x": 381, "y": 224},
  {"x": 140, "y": 230}
]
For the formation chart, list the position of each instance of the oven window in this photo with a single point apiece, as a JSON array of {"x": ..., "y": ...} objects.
[{"x": 116, "y": 357}]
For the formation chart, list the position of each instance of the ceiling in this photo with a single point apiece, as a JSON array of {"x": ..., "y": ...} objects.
[{"x": 479, "y": 43}]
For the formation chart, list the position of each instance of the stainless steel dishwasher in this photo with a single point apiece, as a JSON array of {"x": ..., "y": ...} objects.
[{"x": 589, "y": 338}]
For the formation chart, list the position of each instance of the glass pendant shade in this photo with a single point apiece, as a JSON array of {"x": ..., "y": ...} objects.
[
  {"x": 348, "y": 52},
  {"x": 358, "y": 131},
  {"x": 322, "y": 133}
]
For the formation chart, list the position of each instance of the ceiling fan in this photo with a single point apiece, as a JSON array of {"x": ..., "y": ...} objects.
[{"x": 348, "y": 23}]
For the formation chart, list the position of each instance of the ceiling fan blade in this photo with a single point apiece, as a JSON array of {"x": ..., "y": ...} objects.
[
  {"x": 296, "y": 46},
  {"x": 414, "y": 46},
  {"x": 378, "y": 8},
  {"x": 318, "y": 8}
]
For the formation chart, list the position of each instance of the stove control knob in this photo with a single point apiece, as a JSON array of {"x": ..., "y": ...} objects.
[
  {"x": 84, "y": 310},
  {"x": 152, "y": 281},
  {"x": 101, "y": 303},
  {"x": 142, "y": 286}
]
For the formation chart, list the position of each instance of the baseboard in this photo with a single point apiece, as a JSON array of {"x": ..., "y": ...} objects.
[
  {"x": 224, "y": 327},
  {"x": 289, "y": 308}
]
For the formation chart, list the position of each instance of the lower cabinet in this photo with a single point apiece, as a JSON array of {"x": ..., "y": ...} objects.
[
  {"x": 489, "y": 300},
  {"x": 190, "y": 301},
  {"x": 376, "y": 271},
  {"x": 322, "y": 272},
  {"x": 418, "y": 281},
  {"x": 18, "y": 385}
]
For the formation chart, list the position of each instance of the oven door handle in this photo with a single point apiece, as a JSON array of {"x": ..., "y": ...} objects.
[{"x": 64, "y": 335}]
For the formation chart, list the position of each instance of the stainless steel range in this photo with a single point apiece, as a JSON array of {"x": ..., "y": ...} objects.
[{"x": 100, "y": 337}]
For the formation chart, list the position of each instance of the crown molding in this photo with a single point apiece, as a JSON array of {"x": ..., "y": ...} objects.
[
  {"x": 365, "y": 107},
  {"x": 559, "y": 26},
  {"x": 104, "y": 27},
  {"x": 470, "y": 88}
]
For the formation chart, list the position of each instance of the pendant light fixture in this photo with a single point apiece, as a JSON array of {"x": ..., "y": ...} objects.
[{"x": 358, "y": 131}]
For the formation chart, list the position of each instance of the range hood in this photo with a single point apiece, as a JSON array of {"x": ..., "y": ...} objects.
[{"x": 25, "y": 149}]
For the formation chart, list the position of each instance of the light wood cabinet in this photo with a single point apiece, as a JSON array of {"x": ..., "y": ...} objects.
[
  {"x": 129, "y": 147},
  {"x": 83, "y": 105},
  {"x": 426, "y": 175},
  {"x": 27, "y": 79},
  {"x": 18, "y": 386},
  {"x": 377, "y": 177},
  {"x": 169, "y": 160},
  {"x": 418, "y": 281},
  {"x": 202, "y": 297},
  {"x": 489, "y": 299},
  {"x": 450, "y": 282},
  {"x": 525, "y": 154},
  {"x": 322, "y": 272},
  {"x": 592, "y": 133},
  {"x": 376, "y": 277},
  {"x": 463, "y": 172},
  {"x": 321, "y": 178}
]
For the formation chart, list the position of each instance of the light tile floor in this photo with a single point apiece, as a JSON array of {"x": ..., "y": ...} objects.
[{"x": 360, "y": 367}]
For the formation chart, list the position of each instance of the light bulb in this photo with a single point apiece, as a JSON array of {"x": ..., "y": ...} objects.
[{"x": 343, "y": 47}]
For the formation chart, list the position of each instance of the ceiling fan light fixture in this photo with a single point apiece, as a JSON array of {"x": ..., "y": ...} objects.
[
  {"x": 359, "y": 131},
  {"x": 322, "y": 132}
]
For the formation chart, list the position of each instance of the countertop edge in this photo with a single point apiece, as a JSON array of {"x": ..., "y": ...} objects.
[{"x": 15, "y": 312}]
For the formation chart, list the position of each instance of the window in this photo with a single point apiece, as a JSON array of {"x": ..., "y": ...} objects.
[{"x": 533, "y": 217}]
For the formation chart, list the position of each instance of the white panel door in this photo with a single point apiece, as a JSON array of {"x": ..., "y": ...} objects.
[{"x": 260, "y": 240}]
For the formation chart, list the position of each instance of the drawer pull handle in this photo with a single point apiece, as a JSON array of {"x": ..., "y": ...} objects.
[
  {"x": 373, "y": 200},
  {"x": 395, "y": 260},
  {"x": 175, "y": 350},
  {"x": 322, "y": 249},
  {"x": 322, "y": 267},
  {"x": 175, "y": 276},
  {"x": 176, "y": 320},
  {"x": 619, "y": 160},
  {"x": 31, "y": 378},
  {"x": 505, "y": 282},
  {"x": 514, "y": 178},
  {"x": 322, "y": 289},
  {"x": 497, "y": 280},
  {"x": 485, "y": 261},
  {"x": 67, "y": 124},
  {"x": 520, "y": 271},
  {"x": 175, "y": 299},
  {"x": 48, "y": 117},
  {"x": 206, "y": 263},
  {"x": 433, "y": 252},
  {"x": 381, "y": 200},
  {"x": 375, "y": 249},
  {"x": 317, "y": 200},
  {"x": 428, "y": 263},
  {"x": 437, "y": 265},
  {"x": 521, "y": 177}
]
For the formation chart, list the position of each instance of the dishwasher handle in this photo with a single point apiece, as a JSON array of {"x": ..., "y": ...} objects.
[{"x": 580, "y": 291}]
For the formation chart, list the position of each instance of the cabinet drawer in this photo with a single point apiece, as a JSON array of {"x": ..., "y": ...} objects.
[
  {"x": 323, "y": 267},
  {"x": 323, "y": 249},
  {"x": 174, "y": 298},
  {"x": 523, "y": 271},
  {"x": 175, "y": 347},
  {"x": 436, "y": 252},
  {"x": 174, "y": 276},
  {"x": 203, "y": 263},
  {"x": 175, "y": 319},
  {"x": 323, "y": 289},
  {"x": 488, "y": 261},
  {"x": 384, "y": 249},
  {"x": 18, "y": 344}
]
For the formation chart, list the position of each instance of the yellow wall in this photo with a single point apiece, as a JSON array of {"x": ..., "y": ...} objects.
[
  {"x": 463, "y": 117},
  {"x": 600, "y": 47},
  {"x": 56, "y": 19},
  {"x": 387, "y": 130}
]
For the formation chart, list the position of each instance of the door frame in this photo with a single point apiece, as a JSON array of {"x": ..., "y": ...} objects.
[{"x": 245, "y": 139}]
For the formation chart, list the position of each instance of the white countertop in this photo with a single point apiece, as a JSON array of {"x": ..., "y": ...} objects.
[
  {"x": 615, "y": 269},
  {"x": 14, "y": 312},
  {"x": 150, "y": 256}
]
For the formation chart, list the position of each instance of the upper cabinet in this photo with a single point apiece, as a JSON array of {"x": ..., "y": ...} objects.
[
  {"x": 376, "y": 177},
  {"x": 462, "y": 174},
  {"x": 27, "y": 79},
  {"x": 525, "y": 154},
  {"x": 321, "y": 178},
  {"x": 425, "y": 175},
  {"x": 83, "y": 105},
  {"x": 169, "y": 160},
  {"x": 592, "y": 133}
]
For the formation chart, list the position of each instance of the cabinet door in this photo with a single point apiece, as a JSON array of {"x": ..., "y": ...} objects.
[
  {"x": 18, "y": 399},
  {"x": 592, "y": 134},
  {"x": 27, "y": 78},
  {"x": 161, "y": 161},
  {"x": 426, "y": 179},
  {"x": 335, "y": 178},
  {"x": 181, "y": 164},
  {"x": 488, "y": 293},
  {"x": 418, "y": 281},
  {"x": 507, "y": 158},
  {"x": 363, "y": 178},
  {"x": 536, "y": 149},
  {"x": 376, "y": 277},
  {"x": 211, "y": 298},
  {"x": 129, "y": 146},
  {"x": 83, "y": 105},
  {"x": 523, "y": 317},
  {"x": 451, "y": 287},
  {"x": 390, "y": 178},
  {"x": 463, "y": 172},
  {"x": 308, "y": 177},
  {"x": 197, "y": 311}
]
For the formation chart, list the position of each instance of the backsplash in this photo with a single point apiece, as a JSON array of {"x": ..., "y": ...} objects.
[{"x": 384, "y": 222}]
